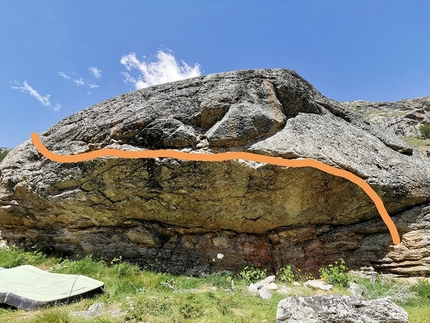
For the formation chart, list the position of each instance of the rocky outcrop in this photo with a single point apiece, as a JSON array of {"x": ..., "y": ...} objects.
[
  {"x": 404, "y": 117},
  {"x": 339, "y": 309},
  {"x": 179, "y": 216}
]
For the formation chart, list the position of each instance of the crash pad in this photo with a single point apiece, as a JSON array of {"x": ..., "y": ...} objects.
[{"x": 28, "y": 287}]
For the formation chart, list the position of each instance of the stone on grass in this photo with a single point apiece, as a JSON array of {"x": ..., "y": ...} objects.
[
  {"x": 339, "y": 309},
  {"x": 94, "y": 310},
  {"x": 356, "y": 289},
  {"x": 264, "y": 287},
  {"x": 318, "y": 284}
]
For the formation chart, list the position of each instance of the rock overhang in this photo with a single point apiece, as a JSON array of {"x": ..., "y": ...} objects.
[{"x": 271, "y": 112}]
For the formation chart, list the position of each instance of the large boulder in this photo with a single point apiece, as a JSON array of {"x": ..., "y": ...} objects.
[
  {"x": 339, "y": 309},
  {"x": 180, "y": 216}
]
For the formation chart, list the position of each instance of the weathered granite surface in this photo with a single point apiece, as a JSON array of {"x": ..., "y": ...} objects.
[
  {"x": 177, "y": 215},
  {"x": 339, "y": 309},
  {"x": 404, "y": 117}
]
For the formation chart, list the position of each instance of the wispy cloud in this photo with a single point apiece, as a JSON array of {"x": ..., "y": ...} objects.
[
  {"x": 96, "y": 72},
  {"x": 79, "y": 82},
  {"x": 165, "y": 69},
  {"x": 26, "y": 88},
  {"x": 64, "y": 75}
]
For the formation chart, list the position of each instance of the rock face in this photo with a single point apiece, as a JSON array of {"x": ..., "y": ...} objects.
[
  {"x": 178, "y": 215},
  {"x": 404, "y": 117},
  {"x": 339, "y": 309}
]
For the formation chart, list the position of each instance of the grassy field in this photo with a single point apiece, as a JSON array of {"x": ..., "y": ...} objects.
[{"x": 143, "y": 296}]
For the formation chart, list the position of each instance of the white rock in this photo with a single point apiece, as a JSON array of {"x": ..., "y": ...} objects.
[
  {"x": 271, "y": 286},
  {"x": 264, "y": 293},
  {"x": 265, "y": 281},
  {"x": 318, "y": 284},
  {"x": 356, "y": 290}
]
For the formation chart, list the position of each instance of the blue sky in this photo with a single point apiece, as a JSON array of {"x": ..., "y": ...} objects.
[{"x": 59, "y": 56}]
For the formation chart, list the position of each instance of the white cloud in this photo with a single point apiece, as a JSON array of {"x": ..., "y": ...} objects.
[
  {"x": 42, "y": 99},
  {"x": 96, "y": 72},
  {"x": 79, "y": 82},
  {"x": 165, "y": 69},
  {"x": 64, "y": 75}
]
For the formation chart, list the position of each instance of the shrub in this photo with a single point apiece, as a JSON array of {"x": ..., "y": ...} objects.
[
  {"x": 336, "y": 274},
  {"x": 3, "y": 154},
  {"x": 379, "y": 286},
  {"x": 286, "y": 274},
  {"x": 251, "y": 274},
  {"x": 422, "y": 292},
  {"x": 425, "y": 130}
]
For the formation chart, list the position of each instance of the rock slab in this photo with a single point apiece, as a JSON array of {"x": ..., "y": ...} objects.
[{"x": 339, "y": 309}]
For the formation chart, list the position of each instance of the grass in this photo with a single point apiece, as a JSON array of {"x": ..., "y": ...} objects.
[
  {"x": 416, "y": 142},
  {"x": 145, "y": 296}
]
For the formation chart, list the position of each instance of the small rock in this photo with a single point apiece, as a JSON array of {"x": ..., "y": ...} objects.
[
  {"x": 115, "y": 313},
  {"x": 264, "y": 287},
  {"x": 284, "y": 290},
  {"x": 252, "y": 289},
  {"x": 93, "y": 311},
  {"x": 96, "y": 307},
  {"x": 264, "y": 293},
  {"x": 265, "y": 281},
  {"x": 356, "y": 289},
  {"x": 318, "y": 284},
  {"x": 271, "y": 286}
]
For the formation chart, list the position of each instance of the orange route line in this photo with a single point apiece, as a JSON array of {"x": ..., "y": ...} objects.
[{"x": 223, "y": 157}]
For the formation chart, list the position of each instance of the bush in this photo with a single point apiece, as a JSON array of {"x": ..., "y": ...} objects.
[
  {"x": 379, "y": 286},
  {"x": 251, "y": 274},
  {"x": 3, "y": 154},
  {"x": 336, "y": 274},
  {"x": 425, "y": 130},
  {"x": 286, "y": 275},
  {"x": 422, "y": 292}
]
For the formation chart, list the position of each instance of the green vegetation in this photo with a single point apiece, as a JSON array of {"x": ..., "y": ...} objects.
[
  {"x": 145, "y": 296},
  {"x": 425, "y": 130},
  {"x": 416, "y": 142},
  {"x": 336, "y": 274},
  {"x": 286, "y": 275},
  {"x": 384, "y": 114},
  {"x": 3, "y": 154},
  {"x": 251, "y": 275}
]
